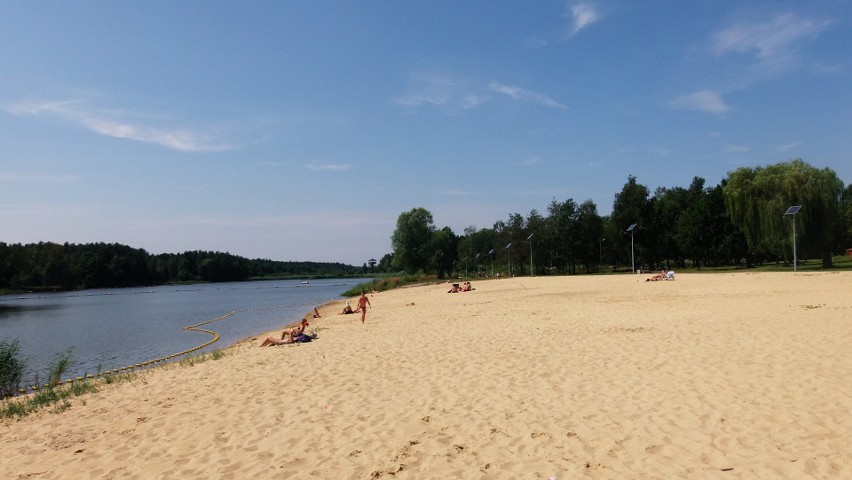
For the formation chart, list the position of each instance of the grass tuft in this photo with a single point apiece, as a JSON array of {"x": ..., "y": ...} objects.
[{"x": 12, "y": 367}]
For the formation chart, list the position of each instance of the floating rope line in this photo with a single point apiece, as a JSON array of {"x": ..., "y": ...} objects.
[{"x": 155, "y": 361}]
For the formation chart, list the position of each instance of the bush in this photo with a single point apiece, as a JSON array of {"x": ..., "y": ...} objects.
[{"x": 12, "y": 367}]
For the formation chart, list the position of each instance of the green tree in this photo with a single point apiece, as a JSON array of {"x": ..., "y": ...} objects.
[
  {"x": 411, "y": 240},
  {"x": 443, "y": 247},
  {"x": 631, "y": 206},
  {"x": 589, "y": 233},
  {"x": 757, "y": 198}
]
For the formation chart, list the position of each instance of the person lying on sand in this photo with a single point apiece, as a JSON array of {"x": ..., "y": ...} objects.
[
  {"x": 276, "y": 341},
  {"x": 296, "y": 335},
  {"x": 663, "y": 275},
  {"x": 287, "y": 336}
]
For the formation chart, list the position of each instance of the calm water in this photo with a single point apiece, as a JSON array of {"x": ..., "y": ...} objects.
[{"x": 115, "y": 328}]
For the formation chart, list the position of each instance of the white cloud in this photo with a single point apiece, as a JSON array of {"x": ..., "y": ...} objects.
[
  {"x": 788, "y": 146},
  {"x": 111, "y": 124},
  {"x": 737, "y": 149},
  {"x": 530, "y": 161},
  {"x": 773, "y": 42},
  {"x": 434, "y": 89},
  {"x": 708, "y": 101},
  {"x": 520, "y": 94},
  {"x": 583, "y": 15},
  {"x": 328, "y": 167},
  {"x": 453, "y": 92}
]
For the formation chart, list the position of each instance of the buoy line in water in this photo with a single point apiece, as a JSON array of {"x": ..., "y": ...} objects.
[{"x": 166, "y": 358}]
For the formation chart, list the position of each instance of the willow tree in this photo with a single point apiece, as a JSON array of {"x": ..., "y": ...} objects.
[{"x": 756, "y": 199}]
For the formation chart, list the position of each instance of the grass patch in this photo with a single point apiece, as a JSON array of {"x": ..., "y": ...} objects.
[
  {"x": 56, "y": 397},
  {"x": 192, "y": 359},
  {"x": 390, "y": 282},
  {"x": 12, "y": 367}
]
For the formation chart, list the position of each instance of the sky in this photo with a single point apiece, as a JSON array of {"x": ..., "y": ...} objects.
[{"x": 300, "y": 130}]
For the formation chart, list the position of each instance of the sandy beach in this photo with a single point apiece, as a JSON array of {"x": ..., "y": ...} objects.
[{"x": 721, "y": 376}]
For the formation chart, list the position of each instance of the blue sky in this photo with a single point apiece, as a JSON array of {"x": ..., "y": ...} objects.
[{"x": 300, "y": 130}]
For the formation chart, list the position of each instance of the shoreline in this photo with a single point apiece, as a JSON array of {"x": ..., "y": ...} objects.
[{"x": 738, "y": 375}]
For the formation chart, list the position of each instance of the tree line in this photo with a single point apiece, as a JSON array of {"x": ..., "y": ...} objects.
[
  {"x": 740, "y": 221},
  {"x": 51, "y": 266}
]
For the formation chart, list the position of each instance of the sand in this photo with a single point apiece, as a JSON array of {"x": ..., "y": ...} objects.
[{"x": 745, "y": 375}]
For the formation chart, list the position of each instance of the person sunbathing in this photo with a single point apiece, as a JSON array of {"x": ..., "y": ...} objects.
[
  {"x": 657, "y": 278},
  {"x": 287, "y": 336},
  {"x": 276, "y": 341},
  {"x": 346, "y": 310},
  {"x": 292, "y": 334}
]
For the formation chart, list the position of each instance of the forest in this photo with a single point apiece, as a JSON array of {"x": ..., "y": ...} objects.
[
  {"x": 49, "y": 266},
  {"x": 739, "y": 222}
]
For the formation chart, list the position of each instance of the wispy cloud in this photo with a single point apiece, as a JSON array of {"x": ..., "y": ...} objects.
[
  {"x": 455, "y": 92},
  {"x": 788, "y": 146},
  {"x": 708, "y": 101},
  {"x": 458, "y": 193},
  {"x": 530, "y": 161},
  {"x": 437, "y": 89},
  {"x": 328, "y": 167},
  {"x": 737, "y": 149},
  {"x": 112, "y": 123},
  {"x": 773, "y": 42},
  {"x": 37, "y": 178},
  {"x": 521, "y": 94},
  {"x": 583, "y": 15}
]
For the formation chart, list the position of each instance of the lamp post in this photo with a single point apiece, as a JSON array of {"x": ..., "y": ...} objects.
[
  {"x": 600, "y": 254},
  {"x": 532, "y": 272},
  {"x": 491, "y": 257},
  {"x": 632, "y": 251},
  {"x": 791, "y": 212},
  {"x": 476, "y": 264},
  {"x": 510, "y": 258}
]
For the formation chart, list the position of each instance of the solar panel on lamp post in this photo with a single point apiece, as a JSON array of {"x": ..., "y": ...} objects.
[{"x": 791, "y": 212}]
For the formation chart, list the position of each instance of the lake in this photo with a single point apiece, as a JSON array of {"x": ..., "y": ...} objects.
[{"x": 115, "y": 328}]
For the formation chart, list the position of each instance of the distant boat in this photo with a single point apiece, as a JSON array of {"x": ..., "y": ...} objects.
[{"x": 306, "y": 282}]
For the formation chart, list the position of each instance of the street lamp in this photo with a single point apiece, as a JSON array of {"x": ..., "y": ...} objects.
[
  {"x": 791, "y": 212},
  {"x": 532, "y": 272},
  {"x": 491, "y": 257},
  {"x": 476, "y": 263},
  {"x": 632, "y": 254},
  {"x": 600, "y": 253},
  {"x": 510, "y": 258}
]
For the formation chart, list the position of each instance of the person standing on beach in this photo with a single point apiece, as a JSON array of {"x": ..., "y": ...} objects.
[{"x": 362, "y": 305}]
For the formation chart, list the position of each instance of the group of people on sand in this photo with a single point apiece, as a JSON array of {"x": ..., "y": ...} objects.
[
  {"x": 363, "y": 303},
  {"x": 298, "y": 335},
  {"x": 663, "y": 275},
  {"x": 465, "y": 287},
  {"x": 295, "y": 335}
]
